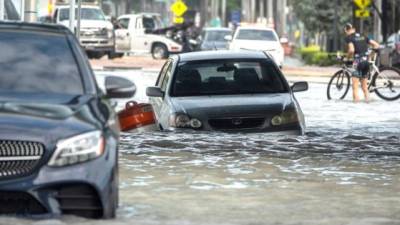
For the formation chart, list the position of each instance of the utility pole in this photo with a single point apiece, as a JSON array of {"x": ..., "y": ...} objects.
[
  {"x": 30, "y": 11},
  {"x": 224, "y": 22},
  {"x": 378, "y": 21},
  {"x": 384, "y": 19},
  {"x": 261, "y": 9},
  {"x": 2, "y": 9},
  {"x": 71, "y": 15},
  {"x": 270, "y": 9},
  {"x": 335, "y": 25}
]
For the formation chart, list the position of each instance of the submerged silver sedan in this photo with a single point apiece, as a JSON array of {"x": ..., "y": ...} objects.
[{"x": 234, "y": 91}]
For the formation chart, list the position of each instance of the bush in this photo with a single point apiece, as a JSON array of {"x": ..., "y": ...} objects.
[{"x": 312, "y": 55}]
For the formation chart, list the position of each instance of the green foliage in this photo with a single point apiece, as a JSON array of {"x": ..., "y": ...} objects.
[
  {"x": 319, "y": 15},
  {"x": 312, "y": 55}
]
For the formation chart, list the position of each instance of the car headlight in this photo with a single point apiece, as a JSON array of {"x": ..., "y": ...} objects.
[
  {"x": 285, "y": 118},
  {"x": 184, "y": 121},
  {"x": 77, "y": 149}
]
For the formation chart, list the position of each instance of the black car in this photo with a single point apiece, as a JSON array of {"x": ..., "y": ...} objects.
[
  {"x": 233, "y": 91},
  {"x": 58, "y": 131}
]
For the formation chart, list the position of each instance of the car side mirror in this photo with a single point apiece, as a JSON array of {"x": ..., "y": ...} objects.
[
  {"x": 118, "y": 87},
  {"x": 228, "y": 38},
  {"x": 154, "y": 92},
  {"x": 299, "y": 86}
]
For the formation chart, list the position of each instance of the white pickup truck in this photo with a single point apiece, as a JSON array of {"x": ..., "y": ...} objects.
[
  {"x": 97, "y": 35},
  {"x": 133, "y": 36}
]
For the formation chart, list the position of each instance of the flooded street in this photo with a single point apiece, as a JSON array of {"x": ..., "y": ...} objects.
[{"x": 345, "y": 170}]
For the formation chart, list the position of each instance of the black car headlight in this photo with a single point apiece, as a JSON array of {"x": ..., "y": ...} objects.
[
  {"x": 284, "y": 118},
  {"x": 184, "y": 121},
  {"x": 77, "y": 149}
]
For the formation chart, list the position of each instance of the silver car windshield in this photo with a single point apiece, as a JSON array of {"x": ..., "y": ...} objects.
[
  {"x": 260, "y": 35},
  {"x": 227, "y": 78},
  {"x": 86, "y": 14}
]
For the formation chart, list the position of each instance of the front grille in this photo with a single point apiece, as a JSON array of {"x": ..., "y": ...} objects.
[
  {"x": 236, "y": 123},
  {"x": 19, "y": 158},
  {"x": 19, "y": 203}
]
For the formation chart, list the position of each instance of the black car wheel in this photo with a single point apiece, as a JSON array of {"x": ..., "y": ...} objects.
[{"x": 159, "y": 51}]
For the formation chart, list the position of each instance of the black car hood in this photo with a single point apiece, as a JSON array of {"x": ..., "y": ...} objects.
[
  {"x": 233, "y": 105},
  {"x": 46, "y": 121}
]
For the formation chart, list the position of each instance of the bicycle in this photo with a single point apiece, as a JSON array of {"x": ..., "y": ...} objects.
[{"x": 385, "y": 80}]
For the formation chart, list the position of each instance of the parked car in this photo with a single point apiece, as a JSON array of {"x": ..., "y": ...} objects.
[
  {"x": 134, "y": 36},
  {"x": 59, "y": 133},
  {"x": 97, "y": 35},
  {"x": 226, "y": 91},
  {"x": 213, "y": 38},
  {"x": 390, "y": 53},
  {"x": 258, "y": 38}
]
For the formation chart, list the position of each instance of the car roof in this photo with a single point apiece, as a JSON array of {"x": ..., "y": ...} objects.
[
  {"x": 255, "y": 28},
  {"x": 41, "y": 27},
  {"x": 63, "y": 6},
  {"x": 138, "y": 14},
  {"x": 217, "y": 29},
  {"x": 221, "y": 54}
]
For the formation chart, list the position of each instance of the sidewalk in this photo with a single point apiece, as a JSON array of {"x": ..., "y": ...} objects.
[{"x": 291, "y": 68}]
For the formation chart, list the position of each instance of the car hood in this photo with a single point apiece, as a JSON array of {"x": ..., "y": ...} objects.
[
  {"x": 248, "y": 105},
  {"x": 46, "y": 122},
  {"x": 255, "y": 45}
]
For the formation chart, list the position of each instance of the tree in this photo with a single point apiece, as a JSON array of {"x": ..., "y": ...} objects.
[{"x": 318, "y": 15}]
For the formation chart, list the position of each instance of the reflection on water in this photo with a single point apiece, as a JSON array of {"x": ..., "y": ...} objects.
[{"x": 344, "y": 171}]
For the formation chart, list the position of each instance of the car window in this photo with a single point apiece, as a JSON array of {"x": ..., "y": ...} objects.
[
  {"x": 86, "y": 14},
  {"x": 218, "y": 35},
  {"x": 124, "y": 23},
  {"x": 33, "y": 62},
  {"x": 167, "y": 76},
  {"x": 227, "y": 77},
  {"x": 252, "y": 34},
  {"x": 391, "y": 38},
  {"x": 162, "y": 73}
]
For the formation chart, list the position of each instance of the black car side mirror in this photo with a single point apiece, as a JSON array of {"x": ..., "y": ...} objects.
[
  {"x": 154, "y": 92},
  {"x": 299, "y": 86},
  {"x": 118, "y": 87}
]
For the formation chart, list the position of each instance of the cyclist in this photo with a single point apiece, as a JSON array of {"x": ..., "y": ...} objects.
[{"x": 357, "y": 48}]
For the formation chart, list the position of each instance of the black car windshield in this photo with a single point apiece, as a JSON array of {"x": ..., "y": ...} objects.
[
  {"x": 227, "y": 77},
  {"x": 217, "y": 35},
  {"x": 257, "y": 35},
  {"x": 37, "y": 63},
  {"x": 86, "y": 14}
]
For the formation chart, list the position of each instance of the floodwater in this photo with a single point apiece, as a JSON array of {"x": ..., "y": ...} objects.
[{"x": 345, "y": 170}]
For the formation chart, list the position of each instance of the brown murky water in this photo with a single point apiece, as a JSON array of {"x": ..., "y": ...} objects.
[{"x": 346, "y": 170}]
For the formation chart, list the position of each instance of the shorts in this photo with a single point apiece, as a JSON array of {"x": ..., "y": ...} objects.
[{"x": 361, "y": 67}]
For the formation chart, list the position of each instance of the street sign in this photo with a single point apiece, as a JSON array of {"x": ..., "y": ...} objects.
[
  {"x": 178, "y": 20},
  {"x": 361, "y": 13},
  {"x": 362, "y": 4},
  {"x": 179, "y": 8}
]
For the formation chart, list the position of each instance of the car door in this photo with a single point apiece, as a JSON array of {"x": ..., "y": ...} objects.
[
  {"x": 122, "y": 34},
  {"x": 139, "y": 37},
  {"x": 386, "y": 52},
  {"x": 158, "y": 102}
]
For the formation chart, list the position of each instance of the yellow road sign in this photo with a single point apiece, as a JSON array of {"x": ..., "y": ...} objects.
[
  {"x": 179, "y": 8},
  {"x": 178, "y": 20},
  {"x": 362, "y": 4},
  {"x": 360, "y": 13}
]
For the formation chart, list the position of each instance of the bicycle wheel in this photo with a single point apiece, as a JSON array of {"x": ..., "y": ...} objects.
[
  {"x": 386, "y": 84},
  {"x": 339, "y": 85}
]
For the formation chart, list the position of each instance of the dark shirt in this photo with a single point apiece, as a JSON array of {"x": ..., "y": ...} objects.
[{"x": 360, "y": 43}]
